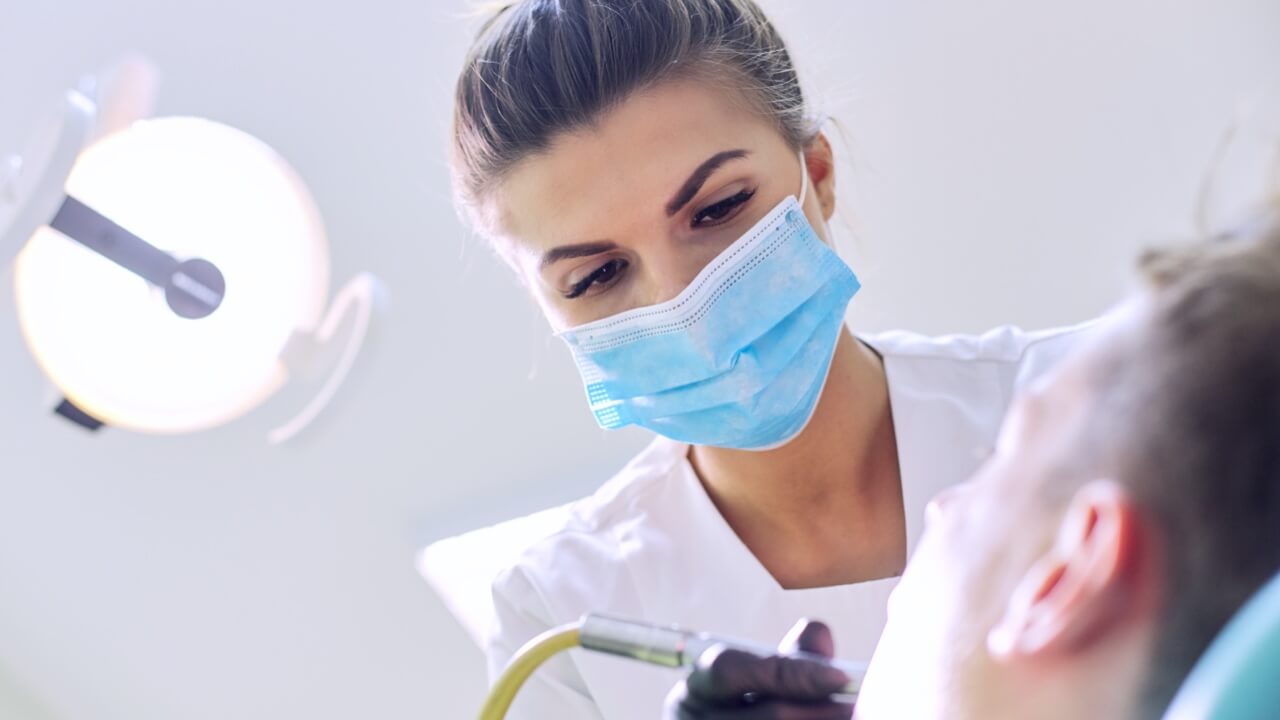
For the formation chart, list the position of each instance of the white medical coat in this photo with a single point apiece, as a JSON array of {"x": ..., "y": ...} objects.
[{"x": 649, "y": 543}]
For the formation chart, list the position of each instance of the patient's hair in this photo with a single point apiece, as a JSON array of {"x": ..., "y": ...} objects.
[
  {"x": 1188, "y": 412},
  {"x": 542, "y": 68}
]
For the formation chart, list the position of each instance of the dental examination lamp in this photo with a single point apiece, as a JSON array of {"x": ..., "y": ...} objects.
[
  {"x": 668, "y": 646},
  {"x": 171, "y": 274}
]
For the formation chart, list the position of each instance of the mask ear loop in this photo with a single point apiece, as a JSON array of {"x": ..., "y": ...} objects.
[
  {"x": 804, "y": 179},
  {"x": 804, "y": 192}
]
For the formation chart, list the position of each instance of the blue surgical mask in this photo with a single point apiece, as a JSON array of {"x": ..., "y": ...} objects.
[{"x": 740, "y": 357}]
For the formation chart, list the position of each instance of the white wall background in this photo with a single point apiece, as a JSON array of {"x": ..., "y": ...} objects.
[{"x": 1005, "y": 160}]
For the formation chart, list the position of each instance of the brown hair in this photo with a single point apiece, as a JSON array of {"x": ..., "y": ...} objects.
[
  {"x": 1188, "y": 416},
  {"x": 540, "y": 68}
]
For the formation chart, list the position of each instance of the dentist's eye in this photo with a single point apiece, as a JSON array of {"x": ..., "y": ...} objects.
[
  {"x": 722, "y": 211},
  {"x": 603, "y": 276}
]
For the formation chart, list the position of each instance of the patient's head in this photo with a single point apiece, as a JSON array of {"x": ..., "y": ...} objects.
[{"x": 1131, "y": 507}]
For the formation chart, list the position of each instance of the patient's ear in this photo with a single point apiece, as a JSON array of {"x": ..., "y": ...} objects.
[{"x": 1083, "y": 587}]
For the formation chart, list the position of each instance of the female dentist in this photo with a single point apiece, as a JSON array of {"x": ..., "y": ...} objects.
[{"x": 651, "y": 171}]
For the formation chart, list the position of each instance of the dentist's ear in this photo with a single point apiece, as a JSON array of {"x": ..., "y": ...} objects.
[
  {"x": 1088, "y": 584},
  {"x": 820, "y": 160}
]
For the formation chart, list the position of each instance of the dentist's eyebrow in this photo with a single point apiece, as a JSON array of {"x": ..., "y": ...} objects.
[
  {"x": 699, "y": 177},
  {"x": 567, "y": 252},
  {"x": 678, "y": 201}
]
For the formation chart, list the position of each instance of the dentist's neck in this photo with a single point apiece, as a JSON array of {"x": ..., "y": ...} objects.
[{"x": 826, "y": 508}]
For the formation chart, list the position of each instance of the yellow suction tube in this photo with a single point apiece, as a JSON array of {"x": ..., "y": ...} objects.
[{"x": 530, "y": 657}]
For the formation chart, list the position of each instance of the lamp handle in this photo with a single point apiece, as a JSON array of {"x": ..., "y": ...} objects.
[{"x": 356, "y": 300}]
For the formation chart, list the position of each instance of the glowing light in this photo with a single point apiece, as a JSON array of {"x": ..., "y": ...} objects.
[{"x": 195, "y": 189}]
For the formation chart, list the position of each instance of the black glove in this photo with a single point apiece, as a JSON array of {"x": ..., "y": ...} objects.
[{"x": 736, "y": 685}]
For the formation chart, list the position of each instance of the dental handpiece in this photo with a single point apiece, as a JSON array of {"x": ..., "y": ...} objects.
[{"x": 671, "y": 646}]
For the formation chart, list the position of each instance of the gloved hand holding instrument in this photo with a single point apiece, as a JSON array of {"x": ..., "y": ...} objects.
[
  {"x": 731, "y": 680},
  {"x": 797, "y": 682}
]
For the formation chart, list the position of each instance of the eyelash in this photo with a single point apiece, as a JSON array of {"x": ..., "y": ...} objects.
[
  {"x": 724, "y": 206},
  {"x": 612, "y": 268},
  {"x": 607, "y": 273}
]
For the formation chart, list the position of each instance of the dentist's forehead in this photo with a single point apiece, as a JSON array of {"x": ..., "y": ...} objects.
[{"x": 627, "y": 163}]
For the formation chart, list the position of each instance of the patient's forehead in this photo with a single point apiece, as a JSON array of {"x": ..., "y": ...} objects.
[{"x": 1049, "y": 424}]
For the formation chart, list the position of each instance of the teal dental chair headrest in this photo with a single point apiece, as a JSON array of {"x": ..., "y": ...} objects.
[{"x": 1238, "y": 677}]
